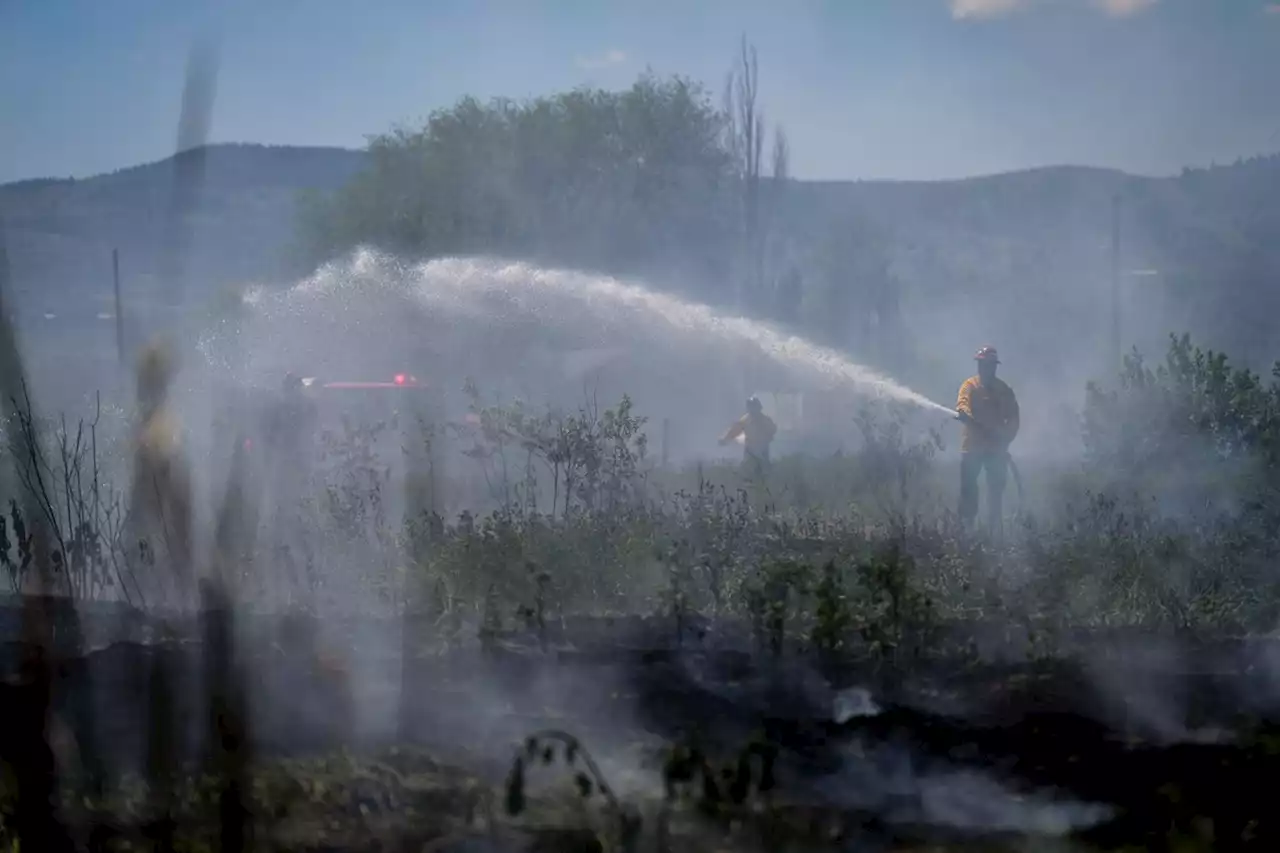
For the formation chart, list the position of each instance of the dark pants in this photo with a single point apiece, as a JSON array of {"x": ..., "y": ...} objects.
[
  {"x": 973, "y": 463},
  {"x": 755, "y": 465}
]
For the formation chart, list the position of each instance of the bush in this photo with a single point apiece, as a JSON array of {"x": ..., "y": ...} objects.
[
  {"x": 1195, "y": 432},
  {"x": 853, "y": 551}
]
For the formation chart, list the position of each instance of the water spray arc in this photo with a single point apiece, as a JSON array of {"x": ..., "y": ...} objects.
[{"x": 486, "y": 290}]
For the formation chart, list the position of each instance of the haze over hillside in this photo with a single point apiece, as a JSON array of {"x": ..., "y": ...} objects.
[
  {"x": 1013, "y": 256},
  {"x": 61, "y": 231}
]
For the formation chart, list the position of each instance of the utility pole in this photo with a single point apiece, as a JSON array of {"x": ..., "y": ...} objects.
[
  {"x": 115, "y": 276},
  {"x": 1117, "y": 357}
]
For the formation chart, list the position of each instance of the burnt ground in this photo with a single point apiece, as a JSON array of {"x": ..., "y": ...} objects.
[{"x": 1128, "y": 740}]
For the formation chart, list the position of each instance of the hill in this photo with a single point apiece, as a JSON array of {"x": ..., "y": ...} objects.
[
  {"x": 1025, "y": 257},
  {"x": 61, "y": 232},
  {"x": 1000, "y": 257}
]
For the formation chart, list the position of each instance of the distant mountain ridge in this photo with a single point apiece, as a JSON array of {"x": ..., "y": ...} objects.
[
  {"x": 1024, "y": 238},
  {"x": 61, "y": 231}
]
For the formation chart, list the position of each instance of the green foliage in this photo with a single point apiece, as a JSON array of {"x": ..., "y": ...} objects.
[
  {"x": 847, "y": 555},
  {"x": 596, "y": 460},
  {"x": 833, "y": 618},
  {"x": 893, "y": 609},
  {"x": 889, "y": 463},
  {"x": 586, "y": 178},
  {"x": 875, "y": 576},
  {"x": 1194, "y": 427}
]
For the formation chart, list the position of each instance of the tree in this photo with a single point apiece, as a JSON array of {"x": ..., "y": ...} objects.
[
  {"x": 745, "y": 141},
  {"x": 781, "y": 157},
  {"x": 630, "y": 182},
  {"x": 788, "y": 289},
  {"x": 1194, "y": 429}
]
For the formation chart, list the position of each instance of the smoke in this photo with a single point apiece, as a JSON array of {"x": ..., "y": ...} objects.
[
  {"x": 886, "y": 779},
  {"x": 876, "y": 770},
  {"x": 550, "y": 337}
]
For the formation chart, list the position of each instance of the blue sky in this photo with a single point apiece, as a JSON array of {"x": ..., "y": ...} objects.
[{"x": 915, "y": 89}]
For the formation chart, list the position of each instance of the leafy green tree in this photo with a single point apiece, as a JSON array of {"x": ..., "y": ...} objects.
[
  {"x": 1192, "y": 429},
  {"x": 632, "y": 182}
]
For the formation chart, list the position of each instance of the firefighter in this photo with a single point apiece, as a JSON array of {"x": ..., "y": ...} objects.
[
  {"x": 989, "y": 410},
  {"x": 290, "y": 425},
  {"x": 756, "y": 430},
  {"x": 160, "y": 512},
  {"x": 291, "y": 420},
  {"x": 290, "y": 431}
]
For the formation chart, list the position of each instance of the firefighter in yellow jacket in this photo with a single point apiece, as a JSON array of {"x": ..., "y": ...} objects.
[
  {"x": 160, "y": 509},
  {"x": 756, "y": 431},
  {"x": 989, "y": 410}
]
